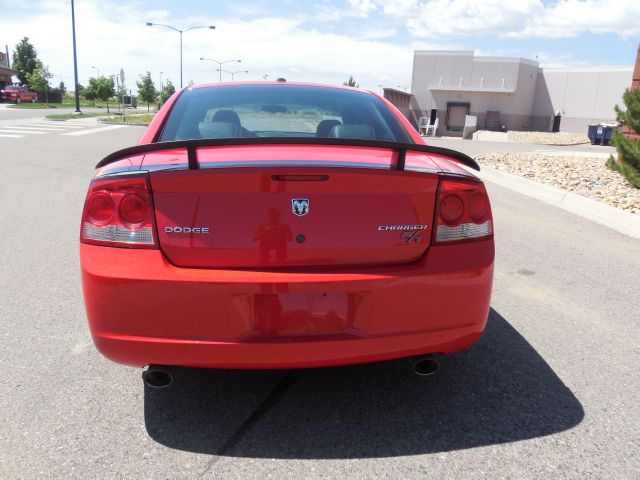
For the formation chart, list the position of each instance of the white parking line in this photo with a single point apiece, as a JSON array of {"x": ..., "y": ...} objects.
[
  {"x": 11, "y": 136},
  {"x": 29, "y": 127},
  {"x": 53, "y": 127},
  {"x": 12, "y": 130},
  {"x": 94, "y": 130}
]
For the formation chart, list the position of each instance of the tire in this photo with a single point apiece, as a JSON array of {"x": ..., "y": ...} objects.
[{"x": 18, "y": 100}]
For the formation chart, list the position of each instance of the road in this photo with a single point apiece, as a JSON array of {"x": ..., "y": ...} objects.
[
  {"x": 8, "y": 112},
  {"x": 550, "y": 391}
]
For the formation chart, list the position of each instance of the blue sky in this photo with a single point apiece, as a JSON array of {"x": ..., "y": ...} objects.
[{"x": 325, "y": 41}]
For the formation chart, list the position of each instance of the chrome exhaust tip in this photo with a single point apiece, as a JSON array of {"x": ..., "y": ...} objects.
[
  {"x": 158, "y": 376},
  {"x": 425, "y": 366}
]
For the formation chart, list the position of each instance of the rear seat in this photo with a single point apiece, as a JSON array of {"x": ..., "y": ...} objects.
[{"x": 352, "y": 130}]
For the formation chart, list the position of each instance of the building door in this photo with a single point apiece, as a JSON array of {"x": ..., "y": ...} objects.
[{"x": 456, "y": 113}]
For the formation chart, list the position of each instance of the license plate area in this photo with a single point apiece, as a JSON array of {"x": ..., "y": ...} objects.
[{"x": 292, "y": 314}]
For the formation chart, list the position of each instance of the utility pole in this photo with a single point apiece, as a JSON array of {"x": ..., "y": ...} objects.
[{"x": 75, "y": 58}]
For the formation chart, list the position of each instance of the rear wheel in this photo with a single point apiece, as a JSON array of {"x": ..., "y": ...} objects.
[{"x": 18, "y": 100}]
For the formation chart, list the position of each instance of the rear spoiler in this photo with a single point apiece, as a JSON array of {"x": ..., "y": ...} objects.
[{"x": 192, "y": 145}]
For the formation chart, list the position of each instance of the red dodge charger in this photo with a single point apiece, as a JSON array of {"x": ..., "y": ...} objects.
[{"x": 281, "y": 225}]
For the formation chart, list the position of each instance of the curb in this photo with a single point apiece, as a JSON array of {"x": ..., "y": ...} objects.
[
  {"x": 133, "y": 124},
  {"x": 619, "y": 220}
]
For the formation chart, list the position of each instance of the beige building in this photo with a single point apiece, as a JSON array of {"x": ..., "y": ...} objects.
[{"x": 512, "y": 93}]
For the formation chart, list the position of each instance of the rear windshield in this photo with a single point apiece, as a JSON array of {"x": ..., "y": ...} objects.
[
  {"x": 280, "y": 111},
  {"x": 12, "y": 88}
]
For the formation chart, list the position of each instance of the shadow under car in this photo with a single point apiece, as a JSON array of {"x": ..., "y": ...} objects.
[{"x": 500, "y": 390}]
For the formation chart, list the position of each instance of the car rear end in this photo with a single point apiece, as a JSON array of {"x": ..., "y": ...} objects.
[
  {"x": 8, "y": 94},
  {"x": 283, "y": 252}
]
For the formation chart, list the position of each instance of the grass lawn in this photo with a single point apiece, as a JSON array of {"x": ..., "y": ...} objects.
[
  {"x": 146, "y": 119},
  {"x": 66, "y": 103},
  {"x": 69, "y": 116}
]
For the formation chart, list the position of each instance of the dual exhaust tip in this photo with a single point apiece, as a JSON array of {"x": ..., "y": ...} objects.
[
  {"x": 163, "y": 376},
  {"x": 424, "y": 366},
  {"x": 158, "y": 376}
]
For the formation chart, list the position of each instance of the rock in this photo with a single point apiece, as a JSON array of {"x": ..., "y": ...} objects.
[{"x": 587, "y": 176}]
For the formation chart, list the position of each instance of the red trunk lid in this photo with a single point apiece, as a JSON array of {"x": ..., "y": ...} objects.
[{"x": 288, "y": 206}]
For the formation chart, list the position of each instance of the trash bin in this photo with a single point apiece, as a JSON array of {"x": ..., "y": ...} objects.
[
  {"x": 600, "y": 133},
  {"x": 607, "y": 134}
]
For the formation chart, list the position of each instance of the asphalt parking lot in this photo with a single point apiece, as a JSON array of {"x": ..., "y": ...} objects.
[{"x": 550, "y": 391}]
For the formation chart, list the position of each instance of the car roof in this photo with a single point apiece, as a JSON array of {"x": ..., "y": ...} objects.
[{"x": 285, "y": 83}]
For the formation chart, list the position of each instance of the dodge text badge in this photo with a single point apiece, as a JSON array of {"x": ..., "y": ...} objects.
[{"x": 300, "y": 206}]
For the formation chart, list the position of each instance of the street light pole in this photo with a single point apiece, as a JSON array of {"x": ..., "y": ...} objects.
[
  {"x": 97, "y": 70},
  {"x": 219, "y": 69},
  {"x": 233, "y": 73},
  {"x": 75, "y": 58},
  {"x": 180, "y": 31}
]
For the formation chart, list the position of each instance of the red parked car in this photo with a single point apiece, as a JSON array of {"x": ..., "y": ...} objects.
[
  {"x": 279, "y": 225},
  {"x": 17, "y": 94}
]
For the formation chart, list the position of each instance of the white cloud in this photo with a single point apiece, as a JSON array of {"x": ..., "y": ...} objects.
[
  {"x": 515, "y": 19},
  {"x": 112, "y": 35},
  {"x": 362, "y": 7}
]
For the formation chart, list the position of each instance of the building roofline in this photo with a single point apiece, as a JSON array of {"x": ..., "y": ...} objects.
[
  {"x": 526, "y": 61},
  {"x": 444, "y": 52},
  {"x": 596, "y": 69}
]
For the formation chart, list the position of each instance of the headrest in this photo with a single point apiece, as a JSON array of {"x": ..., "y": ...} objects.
[
  {"x": 218, "y": 130},
  {"x": 325, "y": 126},
  {"x": 226, "y": 116}
]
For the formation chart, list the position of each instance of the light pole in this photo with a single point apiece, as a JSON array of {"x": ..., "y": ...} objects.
[
  {"x": 150, "y": 24},
  {"x": 233, "y": 73},
  {"x": 402, "y": 86},
  {"x": 219, "y": 64},
  {"x": 97, "y": 70},
  {"x": 161, "y": 81},
  {"x": 75, "y": 58},
  {"x": 264, "y": 77}
]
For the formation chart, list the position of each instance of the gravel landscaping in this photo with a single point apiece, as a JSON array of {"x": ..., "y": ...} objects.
[
  {"x": 545, "y": 138},
  {"x": 584, "y": 175}
]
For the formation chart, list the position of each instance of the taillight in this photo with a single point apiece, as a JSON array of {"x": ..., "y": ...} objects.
[
  {"x": 118, "y": 212},
  {"x": 463, "y": 211}
]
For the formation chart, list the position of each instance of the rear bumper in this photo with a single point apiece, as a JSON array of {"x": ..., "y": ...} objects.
[{"x": 143, "y": 310}]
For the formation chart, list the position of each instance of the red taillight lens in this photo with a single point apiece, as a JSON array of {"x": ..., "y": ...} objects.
[
  {"x": 451, "y": 208},
  {"x": 118, "y": 212},
  {"x": 133, "y": 209},
  {"x": 100, "y": 208},
  {"x": 463, "y": 211}
]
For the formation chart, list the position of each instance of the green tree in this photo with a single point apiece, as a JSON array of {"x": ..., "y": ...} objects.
[
  {"x": 628, "y": 163},
  {"x": 38, "y": 79},
  {"x": 101, "y": 88},
  {"x": 167, "y": 91},
  {"x": 24, "y": 60},
  {"x": 146, "y": 89},
  {"x": 89, "y": 92},
  {"x": 351, "y": 82}
]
